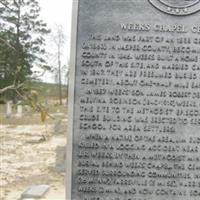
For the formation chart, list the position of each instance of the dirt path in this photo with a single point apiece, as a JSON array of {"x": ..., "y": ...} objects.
[{"x": 28, "y": 157}]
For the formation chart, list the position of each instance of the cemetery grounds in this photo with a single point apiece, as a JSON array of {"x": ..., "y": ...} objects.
[{"x": 32, "y": 152}]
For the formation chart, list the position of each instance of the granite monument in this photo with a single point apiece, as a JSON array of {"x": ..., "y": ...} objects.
[{"x": 134, "y": 129}]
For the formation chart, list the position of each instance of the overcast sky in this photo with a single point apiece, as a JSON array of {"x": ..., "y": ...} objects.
[{"x": 58, "y": 12}]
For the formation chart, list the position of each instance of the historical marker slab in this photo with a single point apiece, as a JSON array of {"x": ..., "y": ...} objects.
[{"x": 135, "y": 101}]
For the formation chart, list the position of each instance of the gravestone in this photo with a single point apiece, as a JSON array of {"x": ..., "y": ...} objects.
[
  {"x": 134, "y": 122},
  {"x": 35, "y": 191},
  {"x": 8, "y": 109},
  {"x": 19, "y": 110}
]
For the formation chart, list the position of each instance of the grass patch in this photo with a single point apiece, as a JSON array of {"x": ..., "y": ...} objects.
[{"x": 48, "y": 89}]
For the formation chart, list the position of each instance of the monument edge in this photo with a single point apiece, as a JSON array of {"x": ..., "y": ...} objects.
[{"x": 72, "y": 70}]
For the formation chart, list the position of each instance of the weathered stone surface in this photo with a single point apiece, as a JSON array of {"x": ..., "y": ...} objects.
[
  {"x": 36, "y": 191},
  {"x": 60, "y": 165},
  {"x": 19, "y": 110},
  {"x": 135, "y": 115},
  {"x": 8, "y": 109}
]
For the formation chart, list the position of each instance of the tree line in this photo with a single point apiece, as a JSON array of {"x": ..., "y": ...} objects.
[{"x": 22, "y": 43}]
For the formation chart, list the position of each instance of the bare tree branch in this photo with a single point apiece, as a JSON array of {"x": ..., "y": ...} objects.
[
  {"x": 5, "y": 5},
  {"x": 7, "y": 43},
  {"x": 15, "y": 2},
  {"x": 11, "y": 87},
  {"x": 37, "y": 106}
]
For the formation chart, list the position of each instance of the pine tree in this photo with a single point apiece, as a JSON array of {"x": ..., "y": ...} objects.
[{"x": 21, "y": 40}]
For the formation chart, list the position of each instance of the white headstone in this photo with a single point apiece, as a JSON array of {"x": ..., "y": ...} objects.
[
  {"x": 19, "y": 110},
  {"x": 35, "y": 191},
  {"x": 9, "y": 109}
]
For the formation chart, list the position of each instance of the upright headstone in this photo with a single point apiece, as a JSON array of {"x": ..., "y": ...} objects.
[
  {"x": 19, "y": 110},
  {"x": 8, "y": 109},
  {"x": 134, "y": 123}
]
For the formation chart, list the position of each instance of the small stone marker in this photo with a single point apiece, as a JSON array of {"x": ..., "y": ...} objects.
[
  {"x": 19, "y": 110},
  {"x": 35, "y": 191},
  {"x": 9, "y": 109}
]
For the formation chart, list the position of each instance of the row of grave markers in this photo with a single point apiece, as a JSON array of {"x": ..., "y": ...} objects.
[{"x": 20, "y": 108}]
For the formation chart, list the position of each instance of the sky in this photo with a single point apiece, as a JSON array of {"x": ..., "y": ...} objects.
[{"x": 57, "y": 12}]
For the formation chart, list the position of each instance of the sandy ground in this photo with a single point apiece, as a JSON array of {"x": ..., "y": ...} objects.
[{"x": 28, "y": 157}]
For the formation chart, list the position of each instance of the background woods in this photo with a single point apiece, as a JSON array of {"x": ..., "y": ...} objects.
[{"x": 22, "y": 43}]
